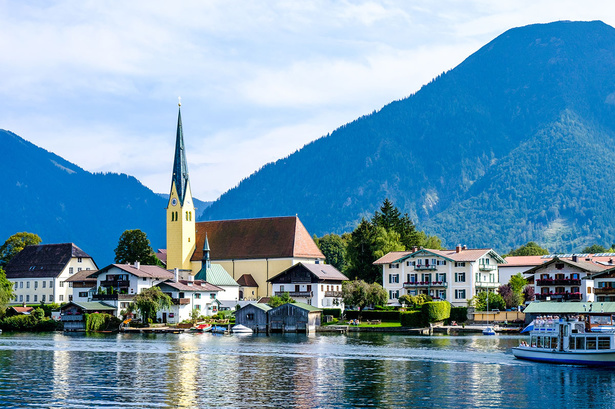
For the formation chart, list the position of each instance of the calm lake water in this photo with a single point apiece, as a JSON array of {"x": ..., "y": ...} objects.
[{"x": 325, "y": 371}]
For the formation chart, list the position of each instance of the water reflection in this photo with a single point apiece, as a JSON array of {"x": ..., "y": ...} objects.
[{"x": 358, "y": 370}]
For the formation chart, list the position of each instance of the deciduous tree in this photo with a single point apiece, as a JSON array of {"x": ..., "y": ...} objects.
[
  {"x": 15, "y": 244},
  {"x": 479, "y": 301},
  {"x": 133, "y": 246},
  {"x": 276, "y": 301},
  {"x": 333, "y": 247},
  {"x": 529, "y": 249},
  {"x": 151, "y": 300}
]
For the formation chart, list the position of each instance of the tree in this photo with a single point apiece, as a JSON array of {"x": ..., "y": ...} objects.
[
  {"x": 528, "y": 293},
  {"x": 517, "y": 283},
  {"x": 595, "y": 248},
  {"x": 360, "y": 253},
  {"x": 135, "y": 246},
  {"x": 479, "y": 301},
  {"x": 390, "y": 218},
  {"x": 357, "y": 293},
  {"x": 6, "y": 291},
  {"x": 386, "y": 241},
  {"x": 511, "y": 297},
  {"x": 333, "y": 247},
  {"x": 276, "y": 301},
  {"x": 377, "y": 295},
  {"x": 151, "y": 300},
  {"x": 529, "y": 249},
  {"x": 15, "y": 244}
]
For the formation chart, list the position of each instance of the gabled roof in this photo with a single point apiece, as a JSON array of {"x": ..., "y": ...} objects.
[
  {"x": 215, "y": 274},
  {"x": 42, "y": 261},
  {"x": 195, "y": 286},
  {"x": 22, "y": 310},
  {"x": 524, "y": 261},
  {"x": 301, "y": 305},
  {"x": 464, "y": 254},
  {"x": 586, "y": 266},
  {"x": 90, "y": 306},
  {"x": 320, "y": 271},
  {"x": 142, "y": 271},
  {"x": 268, "y": 237},
  {"x": 162, "y": 256},
  {"x": 260, "y": 306},
  {"x": 83, "y": 275},
  {"x": 246, "y": 280}
]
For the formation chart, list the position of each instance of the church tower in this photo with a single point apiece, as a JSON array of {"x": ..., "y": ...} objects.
[{"x": 181, "y": 228}]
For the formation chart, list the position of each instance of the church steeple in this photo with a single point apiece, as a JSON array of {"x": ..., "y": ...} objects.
[
  {"x": 206, "y": 261},
  {"x": 180, "y": 165}
]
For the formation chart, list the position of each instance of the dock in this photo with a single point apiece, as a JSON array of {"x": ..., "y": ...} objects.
[{"x": 154, "y": 330}]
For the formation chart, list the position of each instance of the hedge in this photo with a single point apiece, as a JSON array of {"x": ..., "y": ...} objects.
[
  {"x": 412, "y": 319},
  {"x": 28, "y": 323},
  {"x": 101, "y": 322},
  {"x": 370, "y": 315},
  {"x": 434, "y": 311},
  {"x": 336, "y": 312},
  {"x": 459, "y": 314}
]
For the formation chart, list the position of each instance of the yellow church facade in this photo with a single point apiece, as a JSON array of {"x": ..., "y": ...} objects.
[{"x": 250, "y": 250}]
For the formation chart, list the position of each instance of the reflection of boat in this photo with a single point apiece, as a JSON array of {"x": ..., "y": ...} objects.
[
  {"x": 566, "y": 342},
  {"x": 241, "y": 329},
  {"x": 489, "y": 331},
  {"x": 201, "y": 328}
]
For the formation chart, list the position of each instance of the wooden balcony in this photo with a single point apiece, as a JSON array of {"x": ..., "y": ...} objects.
[
  {"x": 487, "y": 267},
  {"x": 414, "y": 284},
  {"x": 294, "y": 293},
  {"x": 426, "y": 267},
  {"x": 544, "y": 282},
  {"x": 113, "y": 297},
  {"x": 333, "y": 294},
  {"x": 180, "y": 301},
  {"x": 115, "y": 283},
  {"x": 604, "y": 290},
  {"x": 559, "y": 296}
]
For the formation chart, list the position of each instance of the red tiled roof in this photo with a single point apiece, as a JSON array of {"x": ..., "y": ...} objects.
[
  {"x": 42, "y": 261},
  {"x": 269, "y": 237},
  {"x": 323, "y": 272},
  {"x": 23, "y": 310},
  {"x": 247, "y": 280},
  {"x": 162, "y": 256},
  {"x": 462, "y": 255},
  {"x": 524, "y": 261},
  {"x": 142, "y": 271},
  {"x": 83, "y": 275},
  {"x": 196, "y": 285}
]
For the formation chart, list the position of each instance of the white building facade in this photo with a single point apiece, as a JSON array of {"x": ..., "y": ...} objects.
[{"x": 452, "y": 275}]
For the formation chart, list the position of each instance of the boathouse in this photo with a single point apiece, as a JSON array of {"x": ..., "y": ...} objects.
[
  {"x": 253, "y": 316},
  {"x": 294, "y": 317},
  {"x": 72, "y": 314}
]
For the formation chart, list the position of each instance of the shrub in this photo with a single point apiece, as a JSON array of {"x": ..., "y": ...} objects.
[
  {"x": 436, "y": 311},
  {"x": 101, "y": 322},
  {"x": 28, "y": 323},
  {"x": 459, "y": 314},
  {"x": 336, "y": 312},
  {"x": 412, "y": 319},
  {"x": 389, "y": 316}
]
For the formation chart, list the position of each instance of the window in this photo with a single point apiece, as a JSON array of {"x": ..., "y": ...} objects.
[
  {"x": 16, "y": 284},
  {"x": 27, "y": 284},
  {"x": 35, "y": 298},
  {"x": 79, "y": 259},
  {"x": 197, "y": 296},
  {"x": 144, "y": 278},
  {"x": 212, "y": 296},
  {"x": 35, "y": 284},
  {"x": 84, "y": 294},
  {"x": 79, "y": 269},
  {"x": 393, "y": 294},
  {"x": 44, "y": 284},
  {"x": 441, "y": 262},
  {"x": 61, "y": 297},
  {"x": 394, "y": 265},
  {"x": 71, "y": 270},
  {"x": 559, "y": 266},
  {"x": 282, "y": 288},
  {"x": 250, "y": 316},
  {"x": 21, "y": 298},
  {"x": 21, "y": 284},
  {"x": 51, "y": 298},
  {"x": 197, "y": 307},
  {"x": 460, "y": 278},
  {"x": 61, "y": 283},
  {"x": 27, "y": 298},
  {"x": 50, "y": 283},
  {"x": 393, "y": 279},
  {"x": 460, "y": 294},
  {"x": 412, "y": 278},
  {"x": 460, "y": 263}
]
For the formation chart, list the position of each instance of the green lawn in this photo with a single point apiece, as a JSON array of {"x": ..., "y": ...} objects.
[{"x": 381, "y": 325}]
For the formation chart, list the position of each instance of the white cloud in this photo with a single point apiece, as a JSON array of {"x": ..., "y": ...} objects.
[{"x": 97, "y": 83}]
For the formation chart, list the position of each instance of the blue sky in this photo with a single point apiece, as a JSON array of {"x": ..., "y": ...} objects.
[{"x": 97, "y": 82}]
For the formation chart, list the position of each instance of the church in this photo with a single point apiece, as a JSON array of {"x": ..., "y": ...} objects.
[{"x": 238, "y": 255}]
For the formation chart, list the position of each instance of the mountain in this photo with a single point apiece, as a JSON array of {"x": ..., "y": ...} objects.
[
  {"x": 59, "y": 201},
  {"x": 514, "y": 144}
]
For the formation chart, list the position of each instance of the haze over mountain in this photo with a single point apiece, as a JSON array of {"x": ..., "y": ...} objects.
[
  {"x": 514, "y": 144},
  {"x": 59, "y": 201}
]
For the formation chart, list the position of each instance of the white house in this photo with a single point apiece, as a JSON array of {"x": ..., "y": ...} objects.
[
  {"x": 453, "y": 275},
  {"x": 38, "y": 273},
  {"x": 117, "y": 284},
  {"x": 319, "y": 285},
  {"x": 188, "y": 295}
]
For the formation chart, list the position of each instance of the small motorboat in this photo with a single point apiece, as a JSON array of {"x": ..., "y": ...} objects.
[
  {"x": 219, "y": 329},
  {"x": 241, "y": 329},
  {"x": 201, "y": 328},
  {"x": 489, "y": 331}
]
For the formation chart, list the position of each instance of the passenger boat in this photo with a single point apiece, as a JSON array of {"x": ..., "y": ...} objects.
[{"x": 566, "y": 341}]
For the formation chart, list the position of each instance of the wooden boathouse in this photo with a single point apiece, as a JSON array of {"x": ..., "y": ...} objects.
[
  {"x": 253, "y": 316},
  {"x": 294, "y": 317}
]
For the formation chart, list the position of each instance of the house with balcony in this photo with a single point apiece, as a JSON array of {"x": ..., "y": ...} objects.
[
  {"x": 39, "y": 273},
  {"x": 563, "y": 279},
  {"x": 83, "y": 286},
  {"x": 319, "y": 285},
  {"x": 188, "y": 296},
  {"x": 454, "y": 275},
  {"x": 117, "y": 284}
]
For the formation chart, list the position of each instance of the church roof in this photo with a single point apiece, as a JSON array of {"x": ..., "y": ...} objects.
[
  {"x": 42, "y": 261},
  {"x": 180, "y": 165},
  {"x": 268, "y": 237},
  {"x": 246, "y": 280},
  {"x": 216, "y": 275}
]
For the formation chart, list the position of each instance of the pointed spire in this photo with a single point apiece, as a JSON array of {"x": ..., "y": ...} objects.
[
  {"x": 180, "y": 165},
  {"x": 206, "y": 261}
]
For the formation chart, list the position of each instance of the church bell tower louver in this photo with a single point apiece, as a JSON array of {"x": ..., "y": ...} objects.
[{"x": 181, "y": 228}]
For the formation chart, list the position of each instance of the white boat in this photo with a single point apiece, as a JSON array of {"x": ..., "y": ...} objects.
[
  {"x": 489, "y": 331},
  {"x": 241, "y": 329},
  {"x": 566, "y": 342}
]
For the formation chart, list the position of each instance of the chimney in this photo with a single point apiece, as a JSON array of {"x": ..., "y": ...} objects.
[
  {"x": 137, "y": 265},
  {"x": 575, "y": 258},
  {"x": 458, "y": 248},
  {"x": 190, "y": 277},
  {"x": 415, "y": 249},
  {"x": 176, "y": 272},
  {"x": 464, "y": 247}
]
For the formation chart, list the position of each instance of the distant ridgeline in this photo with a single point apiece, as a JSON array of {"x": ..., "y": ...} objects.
[
  {"x": 49, "y": 196},
  {"x": 517, "y": 143}
]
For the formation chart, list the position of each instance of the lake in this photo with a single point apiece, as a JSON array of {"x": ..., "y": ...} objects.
[{"x": 299, "y": 371}]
